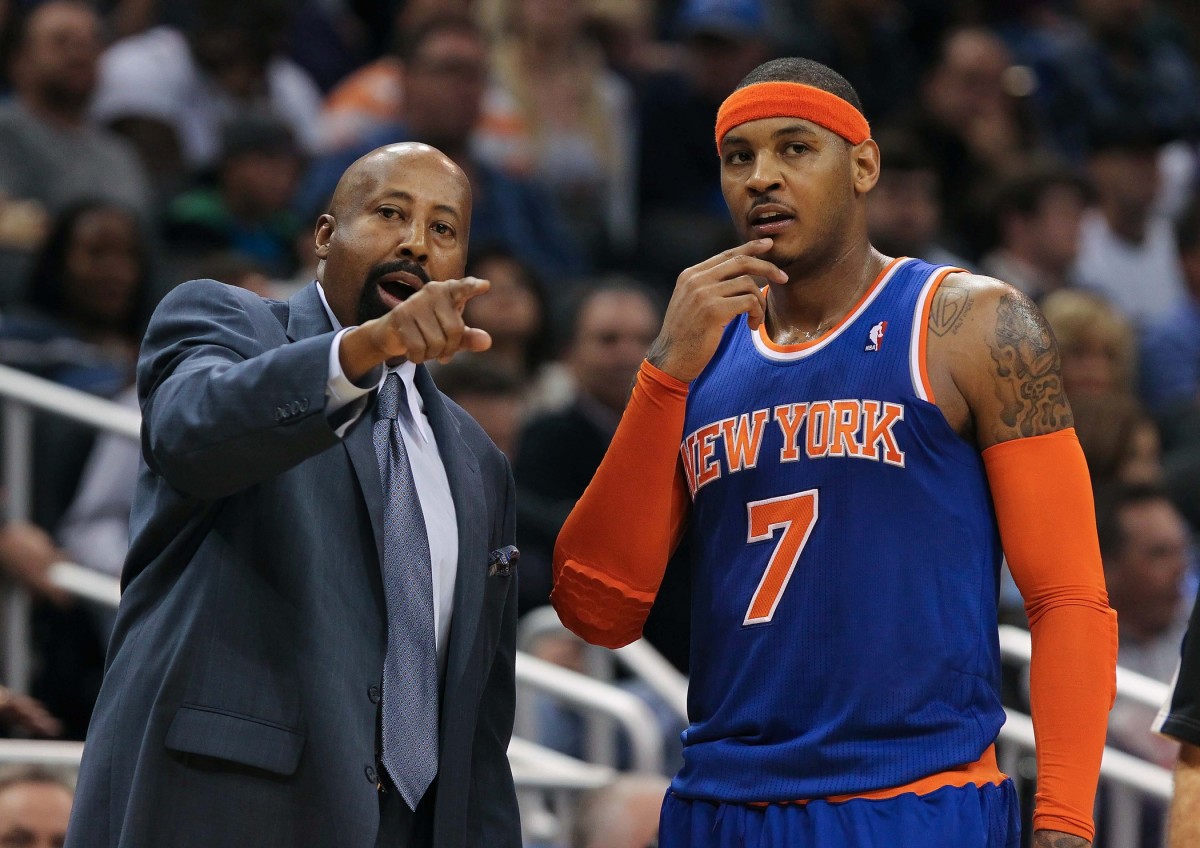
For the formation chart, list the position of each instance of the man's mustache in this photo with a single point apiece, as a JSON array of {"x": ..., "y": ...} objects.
[{"x": 406, "y": 265}]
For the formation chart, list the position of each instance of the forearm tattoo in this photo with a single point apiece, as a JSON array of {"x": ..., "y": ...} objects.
[
  {"x": 1030, "y": 373},
  {"x": 1049, "y": 839}
]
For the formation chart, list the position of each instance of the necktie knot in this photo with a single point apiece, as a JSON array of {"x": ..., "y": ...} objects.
[{"x": 387, "y": 405}]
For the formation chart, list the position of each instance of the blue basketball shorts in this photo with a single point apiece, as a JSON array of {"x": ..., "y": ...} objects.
[{"x": 969, "y": 816}]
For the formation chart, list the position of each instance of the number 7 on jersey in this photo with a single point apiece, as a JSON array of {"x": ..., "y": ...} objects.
[{"x": 797, "y": 515}]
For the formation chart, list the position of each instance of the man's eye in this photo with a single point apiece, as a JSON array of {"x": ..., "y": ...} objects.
[
  {"x": 443, "y": 229},
  {"x": 389, "y": 212},
  {"x": 738, "y": 157},
  {"x": 797, "y": 147}
]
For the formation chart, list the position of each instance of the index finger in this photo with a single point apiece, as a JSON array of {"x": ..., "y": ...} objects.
[
  {"x": 755, "y": 247},
  {"x": 461, "y": 291}
]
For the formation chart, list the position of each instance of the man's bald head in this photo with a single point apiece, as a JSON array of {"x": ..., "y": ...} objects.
[
  {"x": 370, "y": 169},
  {"x": 403, "y": 208}
]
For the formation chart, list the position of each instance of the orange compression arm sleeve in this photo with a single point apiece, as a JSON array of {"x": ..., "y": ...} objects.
[
  {"x": 1043, "y": 499},
  {"x": 611, "y": 554}
]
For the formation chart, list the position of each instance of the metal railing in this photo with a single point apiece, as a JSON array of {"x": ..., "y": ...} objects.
[{"x": 21, "y": 395}]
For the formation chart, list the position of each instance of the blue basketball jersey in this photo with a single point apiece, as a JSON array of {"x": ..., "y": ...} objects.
[{"x": 845, "y": 563}]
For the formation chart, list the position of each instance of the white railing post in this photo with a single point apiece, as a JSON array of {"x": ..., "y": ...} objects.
[{"x": 18, "y": 485}]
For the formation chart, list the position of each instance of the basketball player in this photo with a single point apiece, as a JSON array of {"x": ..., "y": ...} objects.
[{"x": 849, "y": 438}]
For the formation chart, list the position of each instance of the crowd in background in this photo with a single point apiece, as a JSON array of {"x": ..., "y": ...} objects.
[{"x": 1054, "y": 144}]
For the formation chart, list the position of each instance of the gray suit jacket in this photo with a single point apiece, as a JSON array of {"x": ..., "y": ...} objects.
[{"x": 240, "y": 695}]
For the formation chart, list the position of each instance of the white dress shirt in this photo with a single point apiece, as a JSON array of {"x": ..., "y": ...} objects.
[{"x": 429, "y": 474}]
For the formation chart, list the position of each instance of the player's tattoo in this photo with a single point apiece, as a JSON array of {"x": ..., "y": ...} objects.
[
  {"x": 950, "y": 305},
  {"x": 1027, "y": 363},
  {"x": 658, "y": 351},
  {"x": 1051, "y": 839}
]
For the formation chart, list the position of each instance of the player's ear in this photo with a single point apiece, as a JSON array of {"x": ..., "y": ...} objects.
[
  {"x": 323, "y": 234},
  {"x": 864, "y": 165}
]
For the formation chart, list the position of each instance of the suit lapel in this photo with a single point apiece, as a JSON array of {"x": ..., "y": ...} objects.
[
  {"x": 307, "y": 318},
  {"x": 462, "y": 472},
  {"x": 360, "y": 445}
]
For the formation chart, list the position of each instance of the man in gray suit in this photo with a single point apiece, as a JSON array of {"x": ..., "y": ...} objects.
[{"x": 316, "y": 640}]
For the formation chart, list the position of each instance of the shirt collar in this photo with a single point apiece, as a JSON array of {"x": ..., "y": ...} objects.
[{"x": 337, "y": 325}]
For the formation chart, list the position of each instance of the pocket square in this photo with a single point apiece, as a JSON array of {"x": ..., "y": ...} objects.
[{"x": 503, "y": 561}]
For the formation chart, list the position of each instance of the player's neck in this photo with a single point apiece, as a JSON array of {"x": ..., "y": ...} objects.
[{"x": 813, "y": 301}]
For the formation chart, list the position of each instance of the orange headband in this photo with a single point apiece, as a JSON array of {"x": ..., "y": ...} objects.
[{"x": 792, "y": 100}]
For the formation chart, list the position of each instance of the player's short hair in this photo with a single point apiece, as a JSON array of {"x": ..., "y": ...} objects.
[{"x": 805, "y": 72}]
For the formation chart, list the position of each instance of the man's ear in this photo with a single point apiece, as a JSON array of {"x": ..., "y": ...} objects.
[
  {"x": 323, "y": 234},
  {"x": 864, "y": 165}
]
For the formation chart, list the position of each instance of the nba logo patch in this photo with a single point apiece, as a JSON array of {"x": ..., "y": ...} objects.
[{"x": 875, "y": 337}]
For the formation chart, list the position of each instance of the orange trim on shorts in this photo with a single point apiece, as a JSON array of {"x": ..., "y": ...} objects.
[
  {"x": 765, "y": 337},
  {"x": 792, "y": 100},
  {"x": 923, "y": 333},
  {"x": 979, "y": 773}
]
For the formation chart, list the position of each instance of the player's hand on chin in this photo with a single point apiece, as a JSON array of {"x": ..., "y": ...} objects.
[
  {"x": 706, "y": 298},
  {"x": 429, "y": 323},
  {"x": 1058, "y": 839}
]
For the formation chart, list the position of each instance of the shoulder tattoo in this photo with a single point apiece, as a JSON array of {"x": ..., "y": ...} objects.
[
  {"x": 1028, "y": 371},
  {"x": 950, "y": 305}
]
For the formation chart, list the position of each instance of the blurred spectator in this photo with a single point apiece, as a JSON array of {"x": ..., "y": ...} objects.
[
  {"x": 1117, "y": 63},
  {"x": 870, "y": 42},
  {"x": 904, "y": 210},
  {"x": 972, "y": 122},
  {"x": 1127, "y": 250},
  {"x": 373, "y": 95},
  {"x": 513, "y": 312},
  {"x": 327, "y": 39},
  {"x": 170, "y": 92},
  {"x": 87, "y": 300},
  {"x": 1037, "y": 214},
  {"x": 683, "y": 213},
  {"x": 35, "y": 806},
  {"x": 625, "y": 30},
  {"x": 1095, "y": 342},
  {"x": 248, "y": 212},
  {"x": 446, "y": 69},
  {"x": 50, "y": 155},
  {"x": 623, "y": 814},
  {"x": 1145, "y": 547},
  {"x": 1119, "y": 440},
  {"x": 612, "y": 328},
  {"x": 577, "y": 132},
  {"x": 1171, "y": 348},
  {"x": 489, "y": 394}
]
